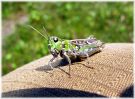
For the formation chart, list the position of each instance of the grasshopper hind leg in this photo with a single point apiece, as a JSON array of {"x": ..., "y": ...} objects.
[
  {"x": 84, "y": 55},
  {"x": 87, "y": 56}
]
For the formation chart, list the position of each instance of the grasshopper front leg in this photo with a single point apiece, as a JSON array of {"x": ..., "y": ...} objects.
[
  {"x": 49, "y": 63},
  {"x": 55, "y": 55}
]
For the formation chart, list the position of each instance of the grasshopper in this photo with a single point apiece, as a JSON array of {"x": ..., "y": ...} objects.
[{"x": 71, "y": 49}]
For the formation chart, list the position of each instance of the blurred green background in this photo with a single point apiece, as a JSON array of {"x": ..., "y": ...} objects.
[{"x": 110, "y": 22}]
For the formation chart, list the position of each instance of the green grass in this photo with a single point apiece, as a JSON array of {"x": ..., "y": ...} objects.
[{"x": 109, "y": 22}]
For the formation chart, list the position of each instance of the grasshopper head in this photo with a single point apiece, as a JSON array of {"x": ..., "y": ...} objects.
[{"x": 54, "y": 45}]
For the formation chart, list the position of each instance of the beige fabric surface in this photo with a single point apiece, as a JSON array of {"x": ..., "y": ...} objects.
[{"x": 109, "y": 73}]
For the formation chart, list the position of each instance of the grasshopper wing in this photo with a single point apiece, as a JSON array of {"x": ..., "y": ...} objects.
[{"x": 88, "y": 41}]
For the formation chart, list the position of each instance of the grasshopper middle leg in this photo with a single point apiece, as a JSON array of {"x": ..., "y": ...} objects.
[{"x": 64, "y": 55}]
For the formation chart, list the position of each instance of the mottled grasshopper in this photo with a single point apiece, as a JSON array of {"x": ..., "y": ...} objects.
[{"x": 77, "y": 48}]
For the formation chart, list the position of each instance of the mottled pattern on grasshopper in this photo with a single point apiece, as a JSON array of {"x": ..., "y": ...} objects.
[{"x": 78, "y": 48}]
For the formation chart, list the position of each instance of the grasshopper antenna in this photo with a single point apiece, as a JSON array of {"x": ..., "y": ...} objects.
[
  {"x": 37, "y": 31},
  {"x": 46, "y": 32}
]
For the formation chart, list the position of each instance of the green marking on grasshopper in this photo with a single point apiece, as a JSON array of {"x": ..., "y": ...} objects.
[{"x": 81, "y": 48}]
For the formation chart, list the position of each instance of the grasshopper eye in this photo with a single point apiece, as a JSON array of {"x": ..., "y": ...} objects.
[{"x": 55, "y": 39}]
